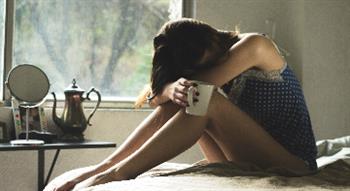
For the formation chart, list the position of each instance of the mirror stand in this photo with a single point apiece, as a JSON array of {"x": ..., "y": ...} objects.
[{"x": 27, "y": 141}]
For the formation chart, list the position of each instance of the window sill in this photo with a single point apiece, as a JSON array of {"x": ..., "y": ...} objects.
[
  {"x": 90, "y": 104},
  {"x": 105, "y": 104}
]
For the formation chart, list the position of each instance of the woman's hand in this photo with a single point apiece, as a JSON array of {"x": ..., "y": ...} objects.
[
  {"x": 63, "y": 185},
  {"x": 66, "y": 186},
  {"x": 177, "y": 91},
  {"x": 66, "y": 182},
  {"x": 104, "y": 177}
]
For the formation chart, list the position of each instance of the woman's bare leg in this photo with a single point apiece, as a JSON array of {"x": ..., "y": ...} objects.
[
  {"x": 210, "y": 149},
  {"x": 242, "y": 139},
  {"x": 141, "y": 134},
  {"x": 149, "y": 126},
  {"x": 177, "y": 135}
]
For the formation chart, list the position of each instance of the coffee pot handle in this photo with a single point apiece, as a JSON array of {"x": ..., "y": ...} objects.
[{"x": 97, "y": 105}]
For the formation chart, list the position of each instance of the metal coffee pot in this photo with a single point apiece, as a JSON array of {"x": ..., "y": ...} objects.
[{"x": 73, "y": 121}]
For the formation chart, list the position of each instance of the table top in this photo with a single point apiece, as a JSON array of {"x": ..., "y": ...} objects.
[{"x": 58, "y": 145}]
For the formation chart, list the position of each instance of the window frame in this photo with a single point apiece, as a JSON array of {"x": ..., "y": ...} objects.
[
  {"x": 8, "y": 45},
  {"x": 188, "y": 11}
]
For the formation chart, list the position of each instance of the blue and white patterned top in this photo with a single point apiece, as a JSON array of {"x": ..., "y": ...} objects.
[{"x": 275, "y": 100}]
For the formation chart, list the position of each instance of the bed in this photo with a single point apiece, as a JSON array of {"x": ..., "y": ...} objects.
[{"x": 333, "y": 174}]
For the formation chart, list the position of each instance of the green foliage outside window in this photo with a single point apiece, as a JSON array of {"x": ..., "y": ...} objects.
[{"x": 102, "y": 43}]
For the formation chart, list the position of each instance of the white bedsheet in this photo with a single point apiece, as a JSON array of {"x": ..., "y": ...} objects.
[
  {"x": 331, "y": 150},
  {"x": 333, "y": 175}
]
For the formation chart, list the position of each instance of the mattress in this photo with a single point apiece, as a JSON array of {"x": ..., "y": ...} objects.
[{"x": 333, "y": 174}]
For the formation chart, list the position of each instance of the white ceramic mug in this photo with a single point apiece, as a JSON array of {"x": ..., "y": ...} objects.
[{"x": 199, "y": 108}]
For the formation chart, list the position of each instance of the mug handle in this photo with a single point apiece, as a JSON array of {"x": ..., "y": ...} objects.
[{"x": 190, "y": 93}]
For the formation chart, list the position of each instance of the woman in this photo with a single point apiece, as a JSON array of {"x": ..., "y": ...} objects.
[{"x": 261, "y": 117}]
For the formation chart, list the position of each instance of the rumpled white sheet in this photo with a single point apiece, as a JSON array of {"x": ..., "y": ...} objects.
[{"x": 331, "y": 150}]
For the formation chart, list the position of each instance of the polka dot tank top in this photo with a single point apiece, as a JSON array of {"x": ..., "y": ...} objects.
[{"x": 275, "y": 100}]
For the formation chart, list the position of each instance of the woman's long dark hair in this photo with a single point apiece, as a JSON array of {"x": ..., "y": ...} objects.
[{"x": 180, "y": 45}]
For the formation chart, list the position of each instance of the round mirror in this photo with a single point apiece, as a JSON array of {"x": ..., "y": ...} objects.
[{"x": 28, "y": 83}]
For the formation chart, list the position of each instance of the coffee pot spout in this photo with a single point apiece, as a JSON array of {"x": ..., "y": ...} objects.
[{"x": 57, "y": 120}]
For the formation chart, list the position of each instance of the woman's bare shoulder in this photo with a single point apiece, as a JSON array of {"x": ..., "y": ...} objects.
[
  {"x": 265, "y": 50},
  {"x": 256, "y": 43},
  {"x": 250, "y": 34},
  {"x": 255, "y": 38}
]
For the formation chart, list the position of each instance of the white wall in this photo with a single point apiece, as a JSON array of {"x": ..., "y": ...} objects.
[
  {"x": 251, "y": 16},
  {"x": 316, "y": 33},
  {"x": 326, "y": 65}
]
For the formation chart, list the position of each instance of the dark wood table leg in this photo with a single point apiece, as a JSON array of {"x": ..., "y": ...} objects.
[{"x": 41, "y": 169}]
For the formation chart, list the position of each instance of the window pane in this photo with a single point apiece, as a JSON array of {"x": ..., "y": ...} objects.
[
  {"x": 2, "y": 29},
  {"x": 102, "y": 43}
]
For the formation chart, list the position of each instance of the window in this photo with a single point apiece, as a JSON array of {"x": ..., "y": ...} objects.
[
  {"x": 2, "y": 30},
  {"x": 106, "y": 44}
]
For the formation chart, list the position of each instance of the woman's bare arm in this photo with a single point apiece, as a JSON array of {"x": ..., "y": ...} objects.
[
  {"x": 251, "y": 51},
  {"x": 175, "y": 92}
]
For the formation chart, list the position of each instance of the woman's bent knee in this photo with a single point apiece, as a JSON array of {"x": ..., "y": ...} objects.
[
  {"x": 168, "y": 107},
  {"x": 167, "y": 110}
]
